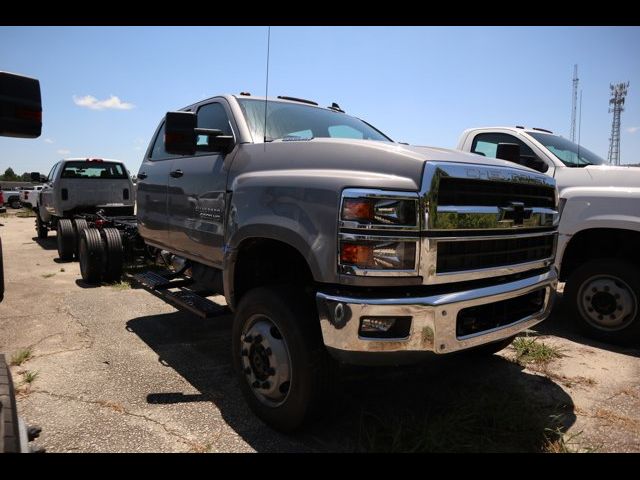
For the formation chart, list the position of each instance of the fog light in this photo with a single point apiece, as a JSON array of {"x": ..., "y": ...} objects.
[
  {"x": 396, "y": 328},
  {"x": 377, "y": 324}
]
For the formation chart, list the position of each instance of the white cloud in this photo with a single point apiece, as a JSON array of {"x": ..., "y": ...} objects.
[
  {"x": 63, "y": 151},
  {"x": 48, "y": 140},
  {"x": 139, "y": 144},
  {"x": 633, "y": 129},
  {"x": 91, "y": 102}
]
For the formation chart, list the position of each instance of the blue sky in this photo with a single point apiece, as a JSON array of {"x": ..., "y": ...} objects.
[{"x": 421, "y": 85}]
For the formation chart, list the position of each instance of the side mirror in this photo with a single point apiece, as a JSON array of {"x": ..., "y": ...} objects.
[
  {"x": 534, "y": 162},
  {"x": 20, "y": 106},
  {"x": 180, "y": 133},
  {"x": 509, "y": 152}
]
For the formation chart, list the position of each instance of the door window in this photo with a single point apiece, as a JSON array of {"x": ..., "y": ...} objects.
[
  {"x": 213, "y": 116},
  {"x": 158, "y": 152}
]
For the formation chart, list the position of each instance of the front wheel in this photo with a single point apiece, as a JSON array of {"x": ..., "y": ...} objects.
[
  {"x": 279, "y": 358},
  {"x": 602, "y": 298},
  {"x": 41, "y": 228}
]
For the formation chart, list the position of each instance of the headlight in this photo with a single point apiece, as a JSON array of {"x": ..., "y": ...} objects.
[
  {"x": 378, "y": 254},
  {"x": 378, "y": 209},
  {"x": 378, "y": 233}
]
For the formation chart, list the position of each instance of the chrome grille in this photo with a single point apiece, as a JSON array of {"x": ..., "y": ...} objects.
[
  {"x": 477, "y": 254},
  {"x": 463, "y": 191},
  {"x": 483, "y": 221}
]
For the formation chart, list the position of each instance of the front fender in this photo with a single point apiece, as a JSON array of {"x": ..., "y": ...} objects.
[{"x": 603, "y": 207}]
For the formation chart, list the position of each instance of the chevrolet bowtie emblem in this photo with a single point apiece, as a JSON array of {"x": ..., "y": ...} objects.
[{"x": 515, "y": 213}]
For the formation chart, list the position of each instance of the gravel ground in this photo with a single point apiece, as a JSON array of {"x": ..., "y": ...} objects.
[{"x": 119, "y": 370}]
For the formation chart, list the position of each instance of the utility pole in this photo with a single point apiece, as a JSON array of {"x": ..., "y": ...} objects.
[
  {"x": 616, "y": 105},
  {"x": 574, "y": 103}
]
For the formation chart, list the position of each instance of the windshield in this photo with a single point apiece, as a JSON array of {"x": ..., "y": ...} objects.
[
  {"x": 93, "y": 170},
  {"x": 569, "y": 153},
  {"x": 290, "y": 121}
]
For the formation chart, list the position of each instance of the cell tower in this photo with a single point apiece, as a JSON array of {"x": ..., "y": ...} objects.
[
  {"x": 616, "y": 105},
  {"x": 574, "y": 103}
]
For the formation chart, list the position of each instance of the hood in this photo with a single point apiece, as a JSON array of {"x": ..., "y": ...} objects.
[
  {"x": 598, "y": 176},
  {"x": 448, "y": 155},
  {"x": 401, "y": 165}
]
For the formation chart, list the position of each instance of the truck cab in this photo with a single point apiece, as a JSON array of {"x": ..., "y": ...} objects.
[{"x": 599, "y": 227}]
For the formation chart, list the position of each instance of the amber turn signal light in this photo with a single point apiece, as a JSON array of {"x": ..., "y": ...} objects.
[
  {"x": 357, "y": 209},
  {"x": 354, "y": 254}
]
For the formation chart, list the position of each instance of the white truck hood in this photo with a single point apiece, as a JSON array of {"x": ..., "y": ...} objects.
[{"x": 598, "y": 176}]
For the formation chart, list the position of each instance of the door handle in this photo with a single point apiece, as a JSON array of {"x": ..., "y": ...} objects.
[
  {"x": 142, "y": 175},
  {"x": 176, "y": 173}
]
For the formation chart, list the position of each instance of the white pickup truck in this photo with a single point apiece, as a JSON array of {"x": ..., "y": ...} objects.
[
  {"x": 29, "y": 196},
  {"x": 76, "y": 187},
  {"x": 599, "y": 233},
  {"x": 11, "y": 197}
]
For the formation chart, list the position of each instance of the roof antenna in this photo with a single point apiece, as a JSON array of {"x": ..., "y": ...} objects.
[{"x": 266, "y": 89}]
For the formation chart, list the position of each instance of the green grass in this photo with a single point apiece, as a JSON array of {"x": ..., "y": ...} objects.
[
  {"x": 29, "y": 376},
  {"x": 47, "y": 275},
  {"x": 122, "y": 285},
  {"x": 482, "y": 418},
  {"x": 530, "y": 350},
  {"x": 21, "y": 356},
  {"x": 25, "y": 213},
  {"x": 561, "y": 442}
]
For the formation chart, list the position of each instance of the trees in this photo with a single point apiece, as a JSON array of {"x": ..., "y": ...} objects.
[{"x": 10, "y": 175}]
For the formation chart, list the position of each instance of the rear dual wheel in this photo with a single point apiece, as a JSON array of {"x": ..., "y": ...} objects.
[
  {"x": 66, "y": 239},
  {"x": 79, "y": 225},
  {"x": 101, "y": 255}
]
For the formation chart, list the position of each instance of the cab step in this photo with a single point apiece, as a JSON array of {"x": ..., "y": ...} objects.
[
  {"x": 170, "y": 287},
  {"x": 161, "y": 281},
  {"x": 191, "y": 301}
]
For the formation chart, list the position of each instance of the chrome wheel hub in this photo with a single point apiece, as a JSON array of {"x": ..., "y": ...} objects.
[
  {"x": 607, "y": 303},
  {"x": 265, "y": 360}
]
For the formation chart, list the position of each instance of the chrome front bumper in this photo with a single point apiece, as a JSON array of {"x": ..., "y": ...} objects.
[{"x": 433, "y": 325}]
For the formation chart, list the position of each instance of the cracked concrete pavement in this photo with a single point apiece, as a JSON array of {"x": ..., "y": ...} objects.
[{"x": 119, "y": 370}]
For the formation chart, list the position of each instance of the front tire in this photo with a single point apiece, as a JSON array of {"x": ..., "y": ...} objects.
[
  {"x": 10, "y": 442},
  {"x": 602, "y": 298},
  {"x": 278, "y": 355},
  {"x": 41, "y": 228}
]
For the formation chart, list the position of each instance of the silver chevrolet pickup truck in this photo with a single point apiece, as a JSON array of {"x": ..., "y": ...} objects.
[{"x": 330, "y": 241}]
